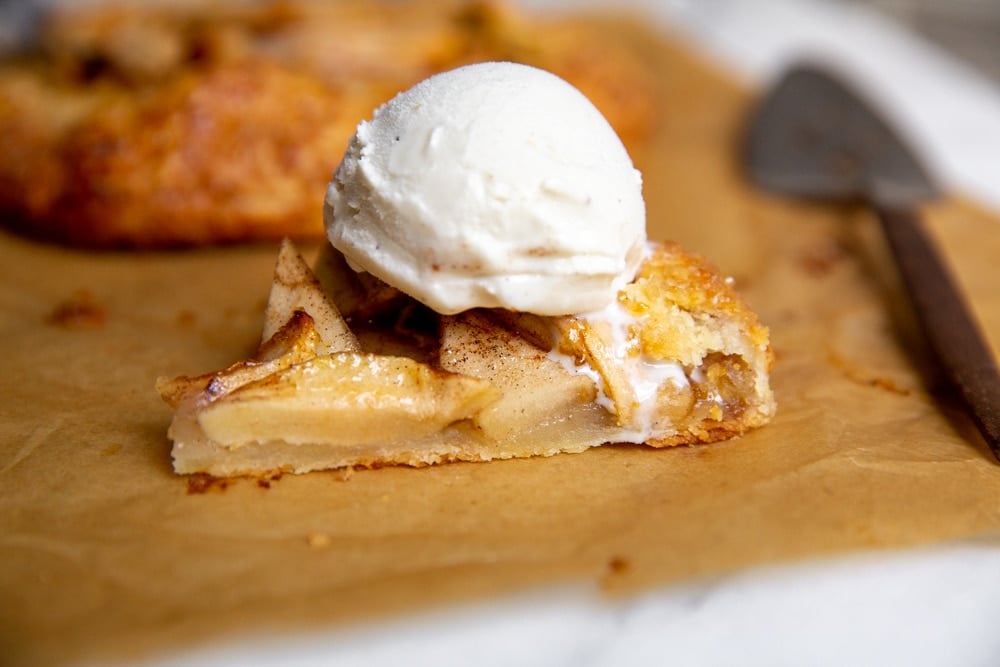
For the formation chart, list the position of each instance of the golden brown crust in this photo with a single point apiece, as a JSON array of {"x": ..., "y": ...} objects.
[
  {"x": 672, "y": 283},
  {"x": 234, "y": 154},
  {"x": 141, "y": 126}
]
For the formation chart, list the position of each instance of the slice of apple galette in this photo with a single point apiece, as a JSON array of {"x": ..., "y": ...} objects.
[{"x": 352, "y": 372}]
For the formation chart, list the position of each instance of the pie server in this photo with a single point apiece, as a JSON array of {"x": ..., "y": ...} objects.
[{"x": 811, "y": 136}]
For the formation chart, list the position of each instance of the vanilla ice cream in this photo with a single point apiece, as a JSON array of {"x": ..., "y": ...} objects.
[{"x": 492, "y": 185}]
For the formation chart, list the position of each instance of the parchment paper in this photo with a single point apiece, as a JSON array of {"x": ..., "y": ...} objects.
[{"x": 106, "y": 555}]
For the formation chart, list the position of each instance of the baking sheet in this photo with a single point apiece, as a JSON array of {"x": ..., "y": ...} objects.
[{"x": 106, "y": 553}]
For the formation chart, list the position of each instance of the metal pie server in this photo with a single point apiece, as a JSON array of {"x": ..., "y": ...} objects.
[{"x": 811, "y": 136}]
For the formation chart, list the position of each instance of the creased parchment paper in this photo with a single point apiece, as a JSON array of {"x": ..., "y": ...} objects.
[{"x": 106, "y": 555}]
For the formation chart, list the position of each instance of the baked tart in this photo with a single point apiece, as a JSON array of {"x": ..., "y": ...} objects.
[
  {"x": 177, "y": 124},
  {"x": 353, "y": 373}
]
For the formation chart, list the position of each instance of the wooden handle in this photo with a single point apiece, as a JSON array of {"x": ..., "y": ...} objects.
[{"x": 947, "y": 321}]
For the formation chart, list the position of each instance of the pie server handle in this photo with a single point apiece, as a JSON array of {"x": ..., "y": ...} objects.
[{"x": 946, "y": 319}]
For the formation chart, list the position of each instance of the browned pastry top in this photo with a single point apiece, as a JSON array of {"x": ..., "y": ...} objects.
[{"x": 155, "y": 127}]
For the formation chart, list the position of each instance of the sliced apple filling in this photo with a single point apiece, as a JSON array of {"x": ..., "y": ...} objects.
[{"x": 351, "y": 372}]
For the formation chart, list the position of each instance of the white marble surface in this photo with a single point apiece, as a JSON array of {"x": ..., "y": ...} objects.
[
  {"x": 921, "y": 608},
  {"x": 948, "y": 111},
  {"x": 933, "y": 606}
]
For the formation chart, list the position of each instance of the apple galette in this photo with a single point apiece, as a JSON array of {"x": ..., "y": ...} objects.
[
  {"x": 352, "y": 372},
  {"x": 161, "y": 124}
]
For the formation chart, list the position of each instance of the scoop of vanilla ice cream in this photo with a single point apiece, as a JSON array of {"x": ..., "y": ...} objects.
[{"x": 491, "y": 185}]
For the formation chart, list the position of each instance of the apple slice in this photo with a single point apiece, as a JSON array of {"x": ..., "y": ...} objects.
[
  {"x": 358, "y": 295},
  {"x": 346, "y": 398},
  {"x": 594, "y": 344},
  {"x": 296, "y": 288},
  {"x": 294, "y": 343},
  {"x": 536, "y": 388}
]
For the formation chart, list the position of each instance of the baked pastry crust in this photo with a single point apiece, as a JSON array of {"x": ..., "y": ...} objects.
[
  {"x": 352, "y": 373},
  {"x": 157, "y": 126}
]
